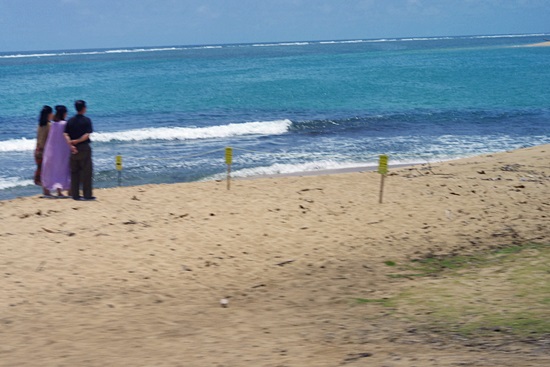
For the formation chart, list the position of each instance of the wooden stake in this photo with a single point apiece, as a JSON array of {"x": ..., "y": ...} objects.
[
  {"x": 383, "y": 170},
  {"x": 228, "y": 161},
  {"x": 382, "y": 178},
  {"x": 118, "y": 165},
  {"x": 228, "y": 176}
]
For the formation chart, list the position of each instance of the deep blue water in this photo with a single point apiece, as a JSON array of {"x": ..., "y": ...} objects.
[{"x": 170, "y": 111}]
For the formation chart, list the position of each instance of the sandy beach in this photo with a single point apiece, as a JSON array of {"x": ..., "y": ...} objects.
[
  {"x": 136, "y": 278},
  {"x": 540, "y": 44}
]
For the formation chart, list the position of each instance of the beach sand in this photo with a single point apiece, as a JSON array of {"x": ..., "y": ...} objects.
[
  {"x": 540, "y": 44},
  {"x": 136, "y": 278}
]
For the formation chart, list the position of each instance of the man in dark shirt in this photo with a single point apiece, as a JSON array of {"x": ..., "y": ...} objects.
[{"x": 77, "y": 133}]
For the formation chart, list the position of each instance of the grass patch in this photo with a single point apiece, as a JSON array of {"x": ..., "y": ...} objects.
[
  {"x": 505, "y": 291},
  {"x": 436, "y": 265},
  {"x": 390, "y": 263},
  {"x": 510, "y": 250}
]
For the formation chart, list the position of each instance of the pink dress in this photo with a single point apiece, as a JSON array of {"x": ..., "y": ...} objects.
[{"x": 56, "y": 170}]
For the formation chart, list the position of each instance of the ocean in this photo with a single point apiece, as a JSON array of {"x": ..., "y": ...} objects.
[{"x": 284, "y": 107}]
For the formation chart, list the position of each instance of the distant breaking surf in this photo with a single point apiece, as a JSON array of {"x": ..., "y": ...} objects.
[{"x": 263, "y": 44}]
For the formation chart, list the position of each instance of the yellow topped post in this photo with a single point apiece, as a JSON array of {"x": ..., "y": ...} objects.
[
  {"x": 383, "y": 170},
  {"x": 118, "y": 162},
  {"x": 383, "y": 165},
  {"x": 228, "y": 161},
  {"x": 228, "y": 155},
  {"x": 118, "y": 165}
]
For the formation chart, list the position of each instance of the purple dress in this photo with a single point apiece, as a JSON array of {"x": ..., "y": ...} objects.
[{"x": 56, "y": 170}]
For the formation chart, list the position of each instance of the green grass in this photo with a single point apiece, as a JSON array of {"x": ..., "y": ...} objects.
[
  {"x": 436, "y": 265},
  {"x": 519, "y": 324},
  {"x": 504, "y": 291},
  {"x": 510, "y": 250}
]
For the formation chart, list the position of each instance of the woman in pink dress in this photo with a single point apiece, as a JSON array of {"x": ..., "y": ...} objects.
[{"x": 56, "y": 171}]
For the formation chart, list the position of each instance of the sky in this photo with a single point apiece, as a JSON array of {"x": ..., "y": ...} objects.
[{"x": 27, "y": 25}]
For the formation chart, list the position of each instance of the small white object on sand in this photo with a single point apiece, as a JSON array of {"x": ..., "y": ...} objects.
[{"x": 224, "y": 302}]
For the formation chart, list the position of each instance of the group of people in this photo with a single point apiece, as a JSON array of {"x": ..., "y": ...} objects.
[{"x": 63, "y": 154}]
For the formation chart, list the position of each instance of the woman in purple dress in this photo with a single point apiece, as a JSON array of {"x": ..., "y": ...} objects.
[
  {"x": 46, "y": 115},
  {"x": 56, "y": 172}
]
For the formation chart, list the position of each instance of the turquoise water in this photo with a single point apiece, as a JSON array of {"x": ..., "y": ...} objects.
[{"x": 286, "y": 107}]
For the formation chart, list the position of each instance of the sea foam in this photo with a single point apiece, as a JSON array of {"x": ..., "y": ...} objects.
[
  {"x": 288, "y": 168},
  {"x": 276, "y": 127},
  {"x": 9, "y": 182},
  {"x": 17, "y": 145}
]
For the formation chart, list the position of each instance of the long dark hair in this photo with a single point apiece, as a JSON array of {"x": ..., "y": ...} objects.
[
  {"x": 60, "y": 112},
  {"x": 44, "y": 114}
]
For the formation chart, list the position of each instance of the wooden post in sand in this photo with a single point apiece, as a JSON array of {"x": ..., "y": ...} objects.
[
  {"x": 118, "y": 164},
  {"x": 383, "y": 170},
  {"x": 228, "y": 161}
]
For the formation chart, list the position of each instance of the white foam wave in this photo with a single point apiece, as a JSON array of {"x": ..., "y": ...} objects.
[
  {"x": 273, "y": 44},
  {"x": 280, "y": 44},
  {"x": 347, "y": 41},
  {"x": 321, "y": 166},
  {"x": 425, "y": 39},
  {"x": 509, "y": 35},
  {"x": 277, "y": 127},
  {"x": 17, "y": 145},
  {"x": 353, "y": 41},
  {"x": 104, "y": 52},
  {"x": 131, "y": 50},
  {"x": 206, "y": 47},
  {"x": 9, "y": 182},
  {"x": 185, "y": 133},
  {"x": 381, "y": 40},
  {"x": 18, "y": 56},
  {"x": 282, "y": 168}
]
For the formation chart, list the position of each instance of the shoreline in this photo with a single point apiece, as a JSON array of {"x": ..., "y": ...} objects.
[{"x": 322, "y": 172}]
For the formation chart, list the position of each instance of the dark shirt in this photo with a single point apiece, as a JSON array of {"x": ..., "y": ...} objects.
[{"x": 77, "y": 126}]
